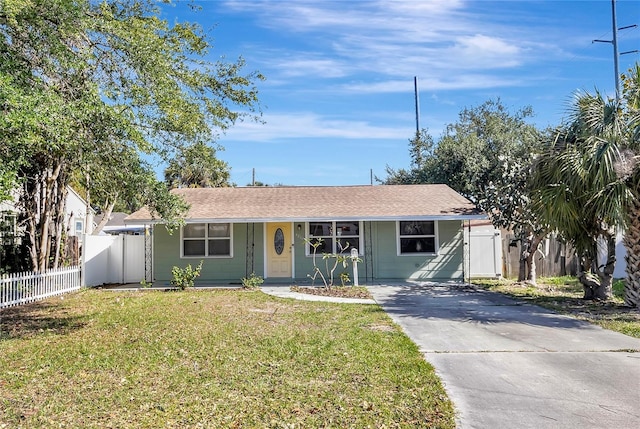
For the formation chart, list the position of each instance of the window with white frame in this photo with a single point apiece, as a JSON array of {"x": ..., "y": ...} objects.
[
  {"x": 334, "y": 237},
  {"x": 417, "y": 237},
  {"x": 209, "y": 240},
  {"x": 79, "y": 226},
  {"x": 8, "y": 227}
]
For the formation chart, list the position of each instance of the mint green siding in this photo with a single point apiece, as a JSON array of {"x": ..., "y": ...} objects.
[
  {"x": 304, "y": 264},
  {"x": 381, "y": 259},
  {"x": 445, "y": 265},
  {"x": 385, "y": 262},
  {"x": 166, "y": 254}
]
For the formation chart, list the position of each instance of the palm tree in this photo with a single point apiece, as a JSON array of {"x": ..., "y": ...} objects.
[
  {"x": 196, "y": 166},
  {"x": 632, "y": 244},
  {"x": 631, "y": 91},
  {"x": 581, "y": 189}
]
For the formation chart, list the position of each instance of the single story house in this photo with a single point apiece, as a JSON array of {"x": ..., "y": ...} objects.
[{"x": 401, "y": 232}]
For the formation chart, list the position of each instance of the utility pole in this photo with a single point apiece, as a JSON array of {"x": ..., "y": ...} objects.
[
  {"x": 415, "y": 90},
  {"x": 614, "y": 42}
]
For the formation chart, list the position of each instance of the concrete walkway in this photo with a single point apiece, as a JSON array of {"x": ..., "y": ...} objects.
[{"x": 506, "y": 364}]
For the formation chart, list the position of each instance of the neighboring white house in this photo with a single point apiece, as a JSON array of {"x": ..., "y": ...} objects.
[
  {"x": 78, "y": 220},
  {"x": 620, "y": 270},
  {"x": 79, "y": 215}
]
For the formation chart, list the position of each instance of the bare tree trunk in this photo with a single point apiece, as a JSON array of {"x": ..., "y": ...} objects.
[
  {"x": 531, "y": 264},
  {"x": 43, "y": 203},
  {"x": 106, "y": 214},
  {"x": 59, "y": 209},
  {"x": 522, "y": 268},
  {"x": 43, "y": 247},
  {"x": 524, "y": 257},
  {"x": 589, "y": 280},
  {"x": 529, "y": 247},
  {"x": 534, "y": 243},
  {"x": 605, "y": 291},
  {"x": 597, "y": 283}
]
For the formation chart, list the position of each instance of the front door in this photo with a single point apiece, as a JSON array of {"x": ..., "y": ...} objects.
[{"x": 279, "y": 246}]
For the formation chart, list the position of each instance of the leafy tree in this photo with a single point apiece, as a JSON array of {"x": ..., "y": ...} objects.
[
  {"x": 126, "y": 188},
  {"x": 7, "y": 180},
  {"x": 85, "y": 83},
  {"x": 422, "y": 168},
  {"x": 485, "y": 156},
  {"x": 196, "y": 166},
  {"x": 510, "y": 206}
]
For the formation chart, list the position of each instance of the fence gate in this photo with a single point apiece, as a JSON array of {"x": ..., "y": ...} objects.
[
  {"x": 134, "y": 258},
  {"x": 485, "y": 252},
  {"x": 114, "y": 259}
]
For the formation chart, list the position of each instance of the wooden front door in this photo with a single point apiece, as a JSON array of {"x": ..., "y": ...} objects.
[{"x": 279, "y": 250}]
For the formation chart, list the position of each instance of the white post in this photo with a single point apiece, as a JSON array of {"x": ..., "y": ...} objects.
[
  {"x": 354, "y": 259},
  {"x": 83, "y": 262}
]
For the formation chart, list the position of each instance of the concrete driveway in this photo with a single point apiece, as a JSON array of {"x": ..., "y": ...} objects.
[{"x": 506, "y": 364}]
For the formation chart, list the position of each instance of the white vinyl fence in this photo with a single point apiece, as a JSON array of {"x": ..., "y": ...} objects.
[
  {"x": 21, "y": 288},
  {"x": 113, "y": 259},
  {"x": 485, "y": 252}
]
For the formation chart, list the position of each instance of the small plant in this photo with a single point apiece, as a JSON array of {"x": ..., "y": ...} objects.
[
  {"x": 185, "y": 277},
  {"x": 338, "y": 259},
  {"x": 145, "y": 284},
  {"x": 344, "y": 278},
  {"x": 252, "y": 282}
]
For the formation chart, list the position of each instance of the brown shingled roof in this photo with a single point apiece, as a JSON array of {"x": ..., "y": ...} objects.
[{"x": 383, "y": 202}]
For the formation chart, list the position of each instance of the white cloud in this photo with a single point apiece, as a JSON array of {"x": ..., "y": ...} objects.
[
  {"x": 455, "y": 81},
  {"x": 487, "y": 52},
  {"x": 306, "y": 66},
  {"x": 447, "y": 41},
  {"x": 310, "y": 125}
]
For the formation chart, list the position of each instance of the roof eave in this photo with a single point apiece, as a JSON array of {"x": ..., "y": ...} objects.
[{"x": 315, "y": 219}]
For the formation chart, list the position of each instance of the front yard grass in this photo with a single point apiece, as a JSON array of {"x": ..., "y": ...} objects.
[
  {"x": 229, "y": 359},
  {"x": 564, "y": 295}
]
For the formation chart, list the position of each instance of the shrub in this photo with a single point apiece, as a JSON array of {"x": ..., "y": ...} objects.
[
  {"x": 185, "y": 277},
  {"x": 252, "y": 281}
]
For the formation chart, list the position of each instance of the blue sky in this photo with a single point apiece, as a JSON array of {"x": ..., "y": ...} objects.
[{"x": 338, "y": 102}]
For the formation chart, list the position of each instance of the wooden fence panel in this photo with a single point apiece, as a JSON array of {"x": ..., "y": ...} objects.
[{"x": 553, "y": 258}]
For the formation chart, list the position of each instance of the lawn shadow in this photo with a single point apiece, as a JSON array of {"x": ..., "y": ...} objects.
[{"x": 37, "y": 318}]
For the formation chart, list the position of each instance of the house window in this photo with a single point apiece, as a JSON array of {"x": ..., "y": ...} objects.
[
  {"x": 79, "y": 227},
  {"x": 334, "y": 237},
  {"x": 8, "y": 228},
  {"x": 208, "y": 240},
  {"x": 417, "y": 237}
]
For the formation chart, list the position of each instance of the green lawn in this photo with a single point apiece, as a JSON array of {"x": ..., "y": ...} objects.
[{"x": 231, "y": 359}]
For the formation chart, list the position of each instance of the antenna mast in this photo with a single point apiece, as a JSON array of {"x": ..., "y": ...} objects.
[{"x": 415, "y": 90}]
